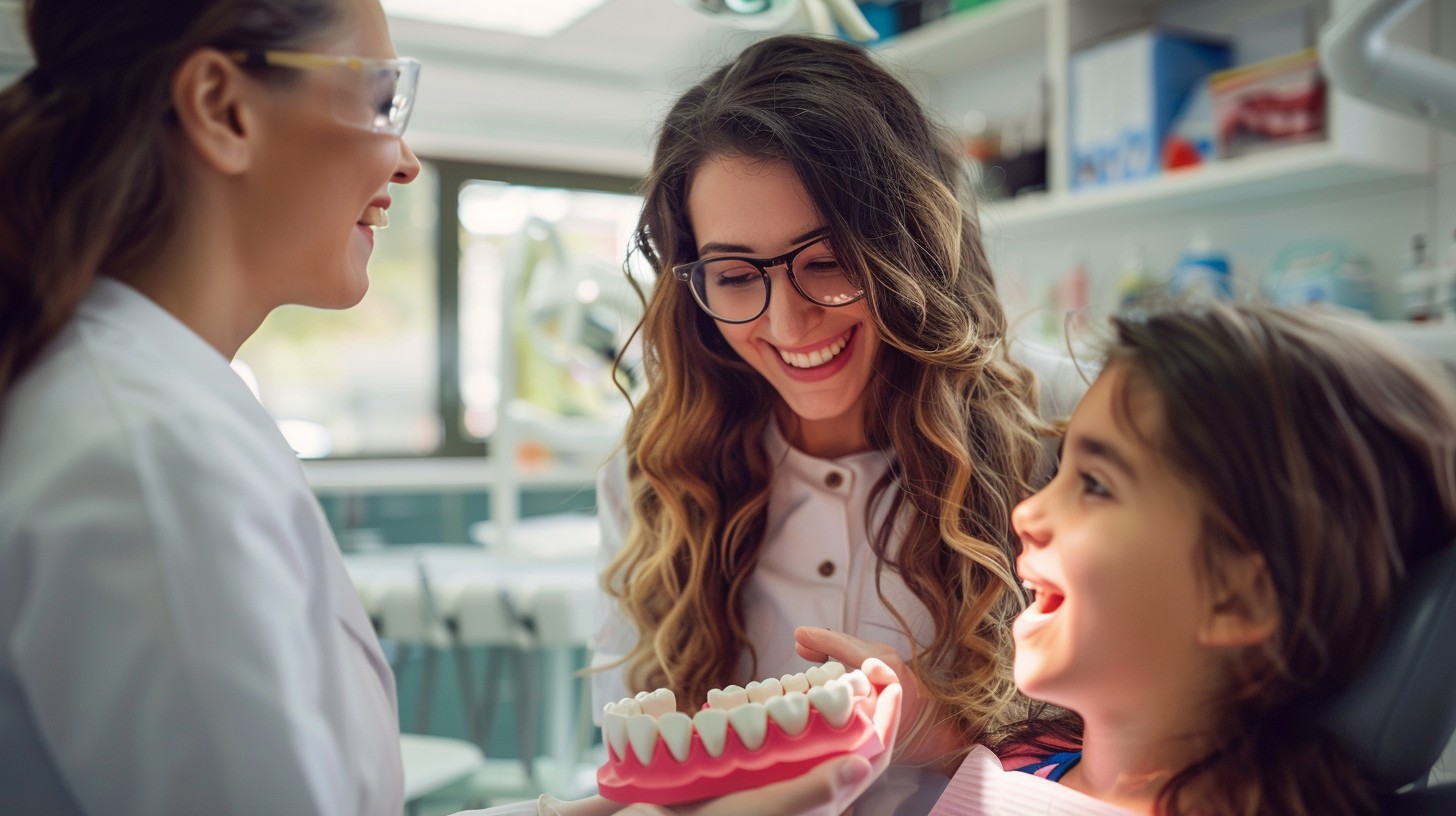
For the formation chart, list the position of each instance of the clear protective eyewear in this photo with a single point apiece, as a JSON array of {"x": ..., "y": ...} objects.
[
  {"x": 735, "y": 289},
  {"x": 381, "y": 102}
]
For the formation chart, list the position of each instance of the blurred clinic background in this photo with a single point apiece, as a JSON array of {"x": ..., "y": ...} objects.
[{"x": 453, "y": 423}]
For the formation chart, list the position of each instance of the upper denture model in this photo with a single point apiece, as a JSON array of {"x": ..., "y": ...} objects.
[{"x": 774, "y": 729}]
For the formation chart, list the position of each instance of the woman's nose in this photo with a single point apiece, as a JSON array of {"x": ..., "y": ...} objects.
[
  {"x": 791, "y": 314},
  {"x": 408, "y": 168}
]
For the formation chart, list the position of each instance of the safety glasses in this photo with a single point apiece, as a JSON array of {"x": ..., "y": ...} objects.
[{"x": 379, "y": 99}]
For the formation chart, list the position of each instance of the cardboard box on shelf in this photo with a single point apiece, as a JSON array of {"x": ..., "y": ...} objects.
[{"x": 1126, "y": 95}]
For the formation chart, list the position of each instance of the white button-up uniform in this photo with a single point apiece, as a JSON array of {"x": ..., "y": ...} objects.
[
  {"x": 177, "y": 632},
  {"x": 816, "y": 567}
]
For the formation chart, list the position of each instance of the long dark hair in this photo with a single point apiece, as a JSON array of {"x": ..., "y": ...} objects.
[
  {"x": 958, "y": 414},
  {"x": 91, "y": 176},
  {"x": 1327, "y": 449}
]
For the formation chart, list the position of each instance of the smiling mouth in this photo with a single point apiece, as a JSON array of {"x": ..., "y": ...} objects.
[
  {"x": 819, "y": 356},
  {"x": 375, "y": 217}
]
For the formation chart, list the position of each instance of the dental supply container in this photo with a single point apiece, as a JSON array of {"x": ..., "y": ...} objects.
[
  {"x": 1202, "y": 271},
  {"x": 1321, "y": 272}
]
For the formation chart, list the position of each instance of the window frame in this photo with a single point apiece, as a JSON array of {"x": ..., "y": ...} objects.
[{"x": 451, "y": 177}]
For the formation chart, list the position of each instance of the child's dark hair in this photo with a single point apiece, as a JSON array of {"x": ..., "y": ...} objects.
[{"x": 1330, "y": 450}]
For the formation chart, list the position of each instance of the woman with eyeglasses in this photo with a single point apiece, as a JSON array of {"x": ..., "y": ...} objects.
[
  {"x": 177, "y": 632},
  {"x": 833, "y": 433}
]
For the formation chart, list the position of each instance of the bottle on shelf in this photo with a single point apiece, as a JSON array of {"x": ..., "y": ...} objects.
[
  {"x": 1135, "y": 282},
  {"x": 1202, "y": 271},
  {"x": 1446, "y": 295},
  {"x": 1072, "y": 294},
  {"x": 1416, "y": 283}
]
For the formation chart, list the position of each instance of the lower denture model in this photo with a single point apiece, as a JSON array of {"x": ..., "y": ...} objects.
[{"x": 741, "y": 738}]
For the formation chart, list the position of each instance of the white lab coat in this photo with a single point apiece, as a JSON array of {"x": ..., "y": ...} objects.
[
  {"x": 177, "y": 631},
  {"x": 815, "y": 568}
]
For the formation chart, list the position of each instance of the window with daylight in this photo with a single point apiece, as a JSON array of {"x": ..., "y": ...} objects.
[{"x": 494, "y": 292}]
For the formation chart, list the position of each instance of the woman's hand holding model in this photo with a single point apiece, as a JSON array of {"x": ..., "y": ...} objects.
[{"x": 937, "y": 746}]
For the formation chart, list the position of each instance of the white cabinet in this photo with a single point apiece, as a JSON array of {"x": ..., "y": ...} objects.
[{"x": 985, "y": 49}]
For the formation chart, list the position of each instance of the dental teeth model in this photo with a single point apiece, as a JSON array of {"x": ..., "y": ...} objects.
[{"x": 774, "y": 729}]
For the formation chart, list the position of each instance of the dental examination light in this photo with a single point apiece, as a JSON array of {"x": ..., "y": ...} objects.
[
  {"x": 769, "y": 15},
  {"x": 1359, "y": 59}
]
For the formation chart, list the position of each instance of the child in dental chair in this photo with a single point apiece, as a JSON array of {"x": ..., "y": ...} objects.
[{"x": 1239, "y": 497}]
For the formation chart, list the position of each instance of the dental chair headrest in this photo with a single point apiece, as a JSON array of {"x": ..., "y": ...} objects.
[{"x": 1397, "y": 717}]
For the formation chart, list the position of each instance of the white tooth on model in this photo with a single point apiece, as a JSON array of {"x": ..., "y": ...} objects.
[
  {"x": 642, "y": 733},
  {"x": 761, "y": 691},
  {"x": 833, "y": 700},
  {"x": 859, "y": 684},
  {"x": 677, "y": 731},
  {"x": 629, "y": 707},
  {"x": 750, "y": 720},
  {"x": 712, "y": 727},
  {"x": 817, "y": 675},
  {"x": 790, "y": 711},
  {"x": 614, "y": 728},
  {"x": 657, "y": 703},
  {"x": 834, "y": 669},
  {"x": 727, "y": 698},
  {"x": 795, "y": 682}
]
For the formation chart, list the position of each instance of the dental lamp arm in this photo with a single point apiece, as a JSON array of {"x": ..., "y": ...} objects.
[
  {"x": 822, "y": 14},
  {"x": 1359, "y": 59}
]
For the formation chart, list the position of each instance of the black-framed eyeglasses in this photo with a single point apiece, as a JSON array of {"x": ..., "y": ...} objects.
[
  {"x": 735, "y": 288},
  {"x": 381, "y": 101}
]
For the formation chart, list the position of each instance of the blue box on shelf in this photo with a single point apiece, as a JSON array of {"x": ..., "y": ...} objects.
[{"x": 1126, "y": 96}]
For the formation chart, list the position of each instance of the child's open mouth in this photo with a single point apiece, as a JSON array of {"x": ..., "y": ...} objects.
[{"x": 1045, "y": 601}]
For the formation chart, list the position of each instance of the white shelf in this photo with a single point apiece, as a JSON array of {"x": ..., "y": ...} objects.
[
  {"x": 982, "y": 35},
  {"x": 1276, "y": 176},
  {"x": 1365, "y": 145}
]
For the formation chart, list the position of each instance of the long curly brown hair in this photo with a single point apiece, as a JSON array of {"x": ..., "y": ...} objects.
[{"x": 958, "y": 416}]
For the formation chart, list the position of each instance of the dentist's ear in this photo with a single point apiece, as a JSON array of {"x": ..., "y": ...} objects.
[
  {"x": 213, "y": 114},
  {"x": 1243, "y": 606}
]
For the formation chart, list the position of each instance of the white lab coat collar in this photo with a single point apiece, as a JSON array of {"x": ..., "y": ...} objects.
[
  {"x": 864, "y": 468},
  {"x": 134, "y": 318},
  {"x": 117, "y": 304}
]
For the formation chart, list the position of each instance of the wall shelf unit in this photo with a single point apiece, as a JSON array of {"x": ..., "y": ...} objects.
[
  {"x": 1296, "y": 174},
  {"x": 1365, "y": 144}
]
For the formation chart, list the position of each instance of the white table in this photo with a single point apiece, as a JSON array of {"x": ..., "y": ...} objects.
[{"x": 433, "y": 763}]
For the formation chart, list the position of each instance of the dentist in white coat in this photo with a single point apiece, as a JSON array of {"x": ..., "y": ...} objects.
[{"x": 177, "y": 632}]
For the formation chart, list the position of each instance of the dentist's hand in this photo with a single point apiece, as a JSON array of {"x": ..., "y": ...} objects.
[{"x": 938, "y": 746}]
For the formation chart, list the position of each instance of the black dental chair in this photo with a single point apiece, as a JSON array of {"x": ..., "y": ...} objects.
[{"x": 1398, "y": 717}]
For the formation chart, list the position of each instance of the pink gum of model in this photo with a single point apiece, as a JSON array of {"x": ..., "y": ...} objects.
[{"x": 665, "y": 781}]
